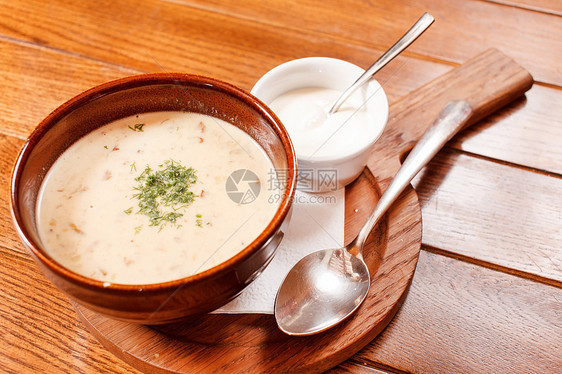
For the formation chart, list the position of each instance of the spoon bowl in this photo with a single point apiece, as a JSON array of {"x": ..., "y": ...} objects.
[
  {"x": 326, "y": 287},
  {"x": 326, "y": 278}
]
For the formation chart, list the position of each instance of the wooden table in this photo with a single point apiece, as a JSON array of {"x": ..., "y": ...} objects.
[{"x": 486, "y": 296}]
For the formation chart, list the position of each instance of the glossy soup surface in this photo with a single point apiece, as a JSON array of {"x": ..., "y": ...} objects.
[{"x": 91, "y": 214}]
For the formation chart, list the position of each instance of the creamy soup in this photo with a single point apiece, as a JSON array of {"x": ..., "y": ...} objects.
[{"x": 153, "y": 197}]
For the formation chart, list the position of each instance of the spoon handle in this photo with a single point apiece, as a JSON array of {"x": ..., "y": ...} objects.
[
  {"x": 449, "y": 122},
  {"x": 415, "y": 31}
]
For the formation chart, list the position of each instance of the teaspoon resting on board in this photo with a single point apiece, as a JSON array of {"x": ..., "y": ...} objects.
[{"x": 327, "y": 286}]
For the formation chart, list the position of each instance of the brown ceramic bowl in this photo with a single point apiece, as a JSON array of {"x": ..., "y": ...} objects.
[{"x": 169, "y": 301}]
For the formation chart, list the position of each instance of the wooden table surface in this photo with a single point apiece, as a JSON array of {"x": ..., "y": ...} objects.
[{"x": 486, "y": 296}]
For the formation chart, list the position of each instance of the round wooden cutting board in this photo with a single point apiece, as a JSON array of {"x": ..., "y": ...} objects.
[{"x": 252, "y": 342}]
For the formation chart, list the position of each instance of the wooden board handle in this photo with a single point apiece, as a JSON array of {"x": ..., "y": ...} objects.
[{"x": 488, "y": 82}]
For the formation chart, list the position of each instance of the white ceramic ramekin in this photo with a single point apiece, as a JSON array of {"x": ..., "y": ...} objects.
[{"x": 321, "y": 174}]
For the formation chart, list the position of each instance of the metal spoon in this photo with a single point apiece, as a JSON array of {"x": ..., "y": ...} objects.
[
  {"x": 327, "y": 286},
  {"x": 415, "y": 31}
]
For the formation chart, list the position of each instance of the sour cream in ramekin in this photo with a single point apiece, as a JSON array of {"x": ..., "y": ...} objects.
[{"x": 332, "y": 150}]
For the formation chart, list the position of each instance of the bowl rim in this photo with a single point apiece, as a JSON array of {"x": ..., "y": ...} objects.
[
  {"x": 135, "y": 81},
  {"x": 308, "y": 62}
]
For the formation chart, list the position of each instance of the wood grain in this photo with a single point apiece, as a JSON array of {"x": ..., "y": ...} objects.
[
  {"x": 462, "y": 318},
  {"x": 9, "y": 149},
  {"x": 506, "y": 216},
  {"x": 521, "y": 134},
  {"x": 487, "y": 82},
  {"x": 160, "y": 36},
  {"x": 40, "y": 333},
  {"x": 155, "y": 33},
  {"x": 36, "y": 80},
  {"x": 528, "y": 132},
  {"x": 357, "y": 368},
  {"x": 52, "y": 77},
  {"x": 546, "y": 6},
  {"x": 454, "y": 37}
]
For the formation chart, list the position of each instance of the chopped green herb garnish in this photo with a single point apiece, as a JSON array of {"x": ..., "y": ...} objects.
[
  {"x": 199, "y": 221},
  {"x": 128, "y": 211},
  {"x": 164, "y": 192},
  {"x": 137, "y": 127},
  {"x": 138, "y": 229},
  {"x": 134, "y": 166},
  {"x": 105, "y": 146}
]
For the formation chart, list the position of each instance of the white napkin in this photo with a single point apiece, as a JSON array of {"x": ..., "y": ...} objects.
[{"x": 317, "y": 223}]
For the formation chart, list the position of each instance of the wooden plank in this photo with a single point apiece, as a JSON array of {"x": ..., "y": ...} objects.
[
  {"x": 40, "y": 331},
  {"x": 493, "y": 217},
  {"x": 36, "y": 80},
  {"x": 60, "y": 343},
  {"x": 527, "y": 132},
  {"x": 176, "y": 38},
  {"x": 434, "y": 325},
  {"x": 487, "y": 82},
  {"x": 56, "y": 75},
  {"x": 351, "y": 366},
  {"x": 9, "y": 148},
  {"x": 529, "y": 137},
  {"x": 52, "y": 77},
  {"x": 486, "y": 214},
  {"x": 462, "y": 318},
  {"x": 545, "y": 6},
  {"x": 172, "y": 38},
  {"x": 454, "y": 36}
]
